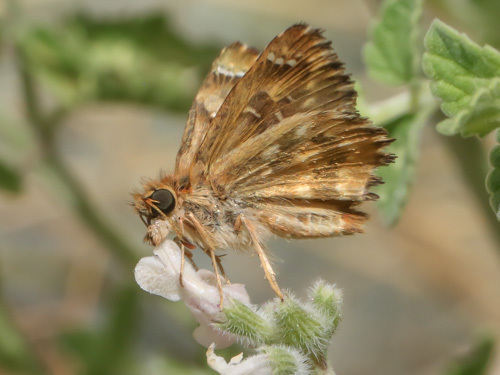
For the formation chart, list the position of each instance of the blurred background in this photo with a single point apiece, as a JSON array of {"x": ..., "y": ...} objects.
[{"x": 94, "y": 96}]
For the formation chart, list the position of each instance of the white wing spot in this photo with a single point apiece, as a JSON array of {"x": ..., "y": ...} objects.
[
  {"x": 302, "y": 189},
  {"x": 270, "y": 56},
  {"x": 309, "y": 102},
  {"x": 271, "y": 151},
  {"x": 224, "y": 71},
  {"x": 229, "y": 73},
  {"x": 301, "y": 130},
  {"x": 279, "y": 116},
  {"x": 251, "y": 110},
  {"x": 279, "y": 61},
  {"x": 291, "y": 62}
]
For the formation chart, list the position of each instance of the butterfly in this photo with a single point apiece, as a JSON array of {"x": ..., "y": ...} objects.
[{"x": 273, "y": 145}]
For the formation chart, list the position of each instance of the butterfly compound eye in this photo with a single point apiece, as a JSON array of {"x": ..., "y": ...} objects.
[{"x": 164, "y": 200}]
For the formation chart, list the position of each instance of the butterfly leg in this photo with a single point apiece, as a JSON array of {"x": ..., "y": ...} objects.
[
  {"x": 219, "y": 263},
  {"x": 189, "y": 255},
  {"x": 217, "y": 276},
  {"x": 264, "y": 260},
  {"x": 210, "y": 251},
  {"x": 184, "y": 253}
]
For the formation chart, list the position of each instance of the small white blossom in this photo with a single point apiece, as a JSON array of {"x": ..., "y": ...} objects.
[
  {"x": 159, "y": 275},
  {"x": 256, "y": 364}
]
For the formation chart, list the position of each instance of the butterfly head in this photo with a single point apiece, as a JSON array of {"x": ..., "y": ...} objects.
[{"x": 156, "y": 206}]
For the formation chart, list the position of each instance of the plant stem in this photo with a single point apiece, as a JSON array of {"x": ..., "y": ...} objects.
[
  {"x": 44, "y": 129},
  {"x": 91, "y": 216},
  {"x": 385, "y": 111}
]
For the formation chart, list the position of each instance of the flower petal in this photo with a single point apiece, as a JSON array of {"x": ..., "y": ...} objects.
[
  {"x": 256, "y": 364},
  {"x": 160, "y": 275},
  {"x": 151, "y": 276}
]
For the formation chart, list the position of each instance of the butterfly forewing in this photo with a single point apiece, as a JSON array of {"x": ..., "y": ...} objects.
[{"x": 288, "y": 131}]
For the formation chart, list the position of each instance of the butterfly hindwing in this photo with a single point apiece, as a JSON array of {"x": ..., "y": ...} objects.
[{"x": 232, "y": 63}]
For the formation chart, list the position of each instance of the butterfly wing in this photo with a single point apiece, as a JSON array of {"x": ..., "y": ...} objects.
[
  {"x": 227, "y": 69},
  {"x": 288, "y": 143}
]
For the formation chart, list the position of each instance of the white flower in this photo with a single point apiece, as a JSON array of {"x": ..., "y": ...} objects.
[
  {"x": 256, "y": 364},
  {"x": 159, "y": 275}
]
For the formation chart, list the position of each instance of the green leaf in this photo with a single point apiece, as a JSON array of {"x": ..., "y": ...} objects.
[
  {"x": 392, "y": 54},
  {"x": 137, "y": 59},
  {"x": 398, "y": 177},
  {"x": 10, "y": 180},
  {"x": 476, "y": 362},
  {"x": 466, "y": 77},
  {"x": 493, "y": 179}
]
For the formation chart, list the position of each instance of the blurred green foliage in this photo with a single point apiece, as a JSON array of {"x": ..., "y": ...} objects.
[
  {"x": 407, "y": 130},
  {"x": 463, "y": 76},
  {"x": 108, "y": 349},
  {"x": 392, "y": 54},
  {"x": 16, "y": 355},
  {"x": 138, "y": 60},
  {"x": 479, "y": 16},
  {"x": 10, "y": 179},
  {"x": 476, "y": 361}
]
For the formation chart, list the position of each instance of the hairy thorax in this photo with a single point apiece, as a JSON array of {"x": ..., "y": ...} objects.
[{"x": 217, "y": 217}]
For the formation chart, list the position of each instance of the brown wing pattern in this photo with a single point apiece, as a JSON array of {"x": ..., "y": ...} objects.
[
  {"x": 289, "y": 142},
  {"x": 232, "y": 63}
]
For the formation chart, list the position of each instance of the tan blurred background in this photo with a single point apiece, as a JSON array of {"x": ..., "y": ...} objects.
[{"x": 416, "y": 296}]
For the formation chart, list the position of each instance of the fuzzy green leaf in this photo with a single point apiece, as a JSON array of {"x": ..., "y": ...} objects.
[
  {"x": 493, "y": 179},
  {"x": 328, "y": 299},
  {"x": 399, "y": 176},
  {"x": 285, "y": 360},
  {"x": 301, "y": 328},
  {"x": 466, "y": 77},
  {"x": 246, "y": 323},
  {"x": 392, "y": 54}
]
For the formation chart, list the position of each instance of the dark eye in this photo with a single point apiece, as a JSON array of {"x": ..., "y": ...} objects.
[{"x": 164, "y": 200}]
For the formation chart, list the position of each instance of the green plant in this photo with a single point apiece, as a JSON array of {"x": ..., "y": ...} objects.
[{"x": 462, "y": 78}]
